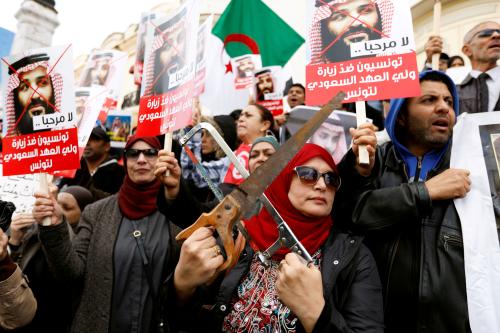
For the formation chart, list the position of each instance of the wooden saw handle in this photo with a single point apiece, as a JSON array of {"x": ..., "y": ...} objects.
[{"x": 223, "y": 217}]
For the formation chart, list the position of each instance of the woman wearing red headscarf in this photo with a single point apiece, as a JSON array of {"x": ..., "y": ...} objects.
[
  {"x": 124, "y": 250},
  {"x": 339, "y": 292}
]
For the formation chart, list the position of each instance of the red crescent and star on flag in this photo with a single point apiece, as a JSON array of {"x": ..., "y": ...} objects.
[{"x": 240, "y": 38}]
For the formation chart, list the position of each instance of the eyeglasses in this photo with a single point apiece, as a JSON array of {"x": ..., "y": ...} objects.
[
  {"x": 135, "y": 153},
  {"x": 310, "y": 176},
  {"x": 485, "y": 33}
]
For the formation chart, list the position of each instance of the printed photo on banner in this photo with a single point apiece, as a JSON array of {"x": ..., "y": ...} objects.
[
  {"x": 89, "y": 101},
  {"x": 490, "y": 140},
  {"x": 105, "y": 68},
  {"x": 495, "y": 143},
  {"x": 244, "y": 68},
  {"x": 201, "y": 54},
  {"x": 39, "y": 105},
  {"x": 363, "y": 47},
  {"x": 269, "y": 85},
  {"x": 168, "y": 80},
  {"x": 333, "y": 134},
  {"x": 38, "y": 88},
  {"x": 141, "y": 45},
  {"x": 473, "y": 149},
  {"x": 118, "y": 126},
  {"x": 19, "y": 190}
]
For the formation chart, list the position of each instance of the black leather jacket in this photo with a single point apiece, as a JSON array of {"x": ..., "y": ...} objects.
[
  {"x": 351, "y": 287},
  {"x": 417, "y": 244}
]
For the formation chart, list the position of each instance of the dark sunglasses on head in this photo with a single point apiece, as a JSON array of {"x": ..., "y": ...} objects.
[
  {"x": 134, "y": 153},
  {"x": 486, "y": 33},
  {"x": 310, "y": 176}
]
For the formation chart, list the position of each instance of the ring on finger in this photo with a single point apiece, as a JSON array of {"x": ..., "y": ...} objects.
[{"x": 217, "y": 250}]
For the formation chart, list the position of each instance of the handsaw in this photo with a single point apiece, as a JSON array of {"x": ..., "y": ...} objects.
[
  {"x": 224, "y": 216},
  {"x": 286, "y": 237}
]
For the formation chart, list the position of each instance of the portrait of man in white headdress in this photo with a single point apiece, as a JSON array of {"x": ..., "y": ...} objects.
[
  {"x": 33, "y": 89},
  {"x": 339, "y": 23}
]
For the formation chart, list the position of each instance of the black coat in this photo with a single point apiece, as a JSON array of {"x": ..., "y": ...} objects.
[
  {"x": 417, "y": 244},
  {"x": 351, "y": 287}
]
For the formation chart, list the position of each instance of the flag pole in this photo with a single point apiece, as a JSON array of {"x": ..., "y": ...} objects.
[{"x": 436, "y": 28}]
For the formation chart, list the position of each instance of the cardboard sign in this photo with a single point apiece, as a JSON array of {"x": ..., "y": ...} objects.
[
  {"x": 40, "y": 132},
  {"x": 243, "y": 68},
  {"x": 118, "y": 127},
  {"x": 141, "y": 45},
  {"x": 168, "y": 81},
  {"x": 89, "y": 102},
  {"x": 38, "y": 91},
  {"x": 364, "y": 48},
  {"x": 333, "y": 134},
  {"x": 19, "y": 190},
  {"x": 476, "y": 147},
  {"x": 201, "y": 54},
  {"x": 42, "y": 152}
]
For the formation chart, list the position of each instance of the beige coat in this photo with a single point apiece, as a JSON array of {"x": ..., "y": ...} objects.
[{"x": 17, "y": 303}]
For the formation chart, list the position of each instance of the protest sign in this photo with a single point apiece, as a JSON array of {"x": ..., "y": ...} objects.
[
  {"x": 244, "y": 68},
  {"x": 105, "y": 68},
  {"x": 168, "y": 81},
  {"x": 458, "y": 74},
  {"x": 201, "y": 54},
  {"x": 269, "y": 85},
  {"x": 19, "y": 190},
  {"x": 40, "y": 152},
  {"x": 476, "y": 147},
  {"x": 39, "y": 112},
  {"x": 364, "y": 48},
  {"x": 333, "y": 134},
  {"x": 89, "y": 102},
  {"x": 141, "y": 45},
  {"x": 118, "y": 127}
]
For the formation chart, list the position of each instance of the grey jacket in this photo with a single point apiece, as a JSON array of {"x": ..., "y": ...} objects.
[{"x": 89, "y": 259}]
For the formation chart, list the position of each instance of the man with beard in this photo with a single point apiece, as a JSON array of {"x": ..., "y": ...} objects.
[
  {"x": 337, "y": 24},
  {"x": 245, "y": 66},
  {"x": 81, "y": 101},
  {"x": 31, "y": 91},
  {"x": 98, "y": 72},
  {"x": 264, "y": 84},
  {"x": 168, "y": 56}
]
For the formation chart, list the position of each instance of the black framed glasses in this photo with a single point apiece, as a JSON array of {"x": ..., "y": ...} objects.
[
  {"x": 486, "y": 33},
  {"x": 310, "y": 176},
  {"x": 135, "y": 153}
]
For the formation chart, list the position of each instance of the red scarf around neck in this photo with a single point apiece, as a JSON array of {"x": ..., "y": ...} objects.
[
  {"x": 138, "y": 200},
  {"x": 311, "y": 232}
]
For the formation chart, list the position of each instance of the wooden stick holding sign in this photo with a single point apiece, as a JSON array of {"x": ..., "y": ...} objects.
[
  {"x": 44, "y": 188},
  {"x": 167, "y": 145},
  {"x": 436, "y": 28},
  {"x": 364, "y": 157}
]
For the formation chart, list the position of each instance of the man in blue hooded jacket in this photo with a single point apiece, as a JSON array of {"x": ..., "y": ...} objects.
[{"x": 406, "y": 210}]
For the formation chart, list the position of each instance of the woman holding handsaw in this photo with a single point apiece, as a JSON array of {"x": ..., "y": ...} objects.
[{"x": 339, "y": 291}]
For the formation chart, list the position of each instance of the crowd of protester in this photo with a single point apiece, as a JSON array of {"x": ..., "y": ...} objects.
[{"x": 109, "y": 260}]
